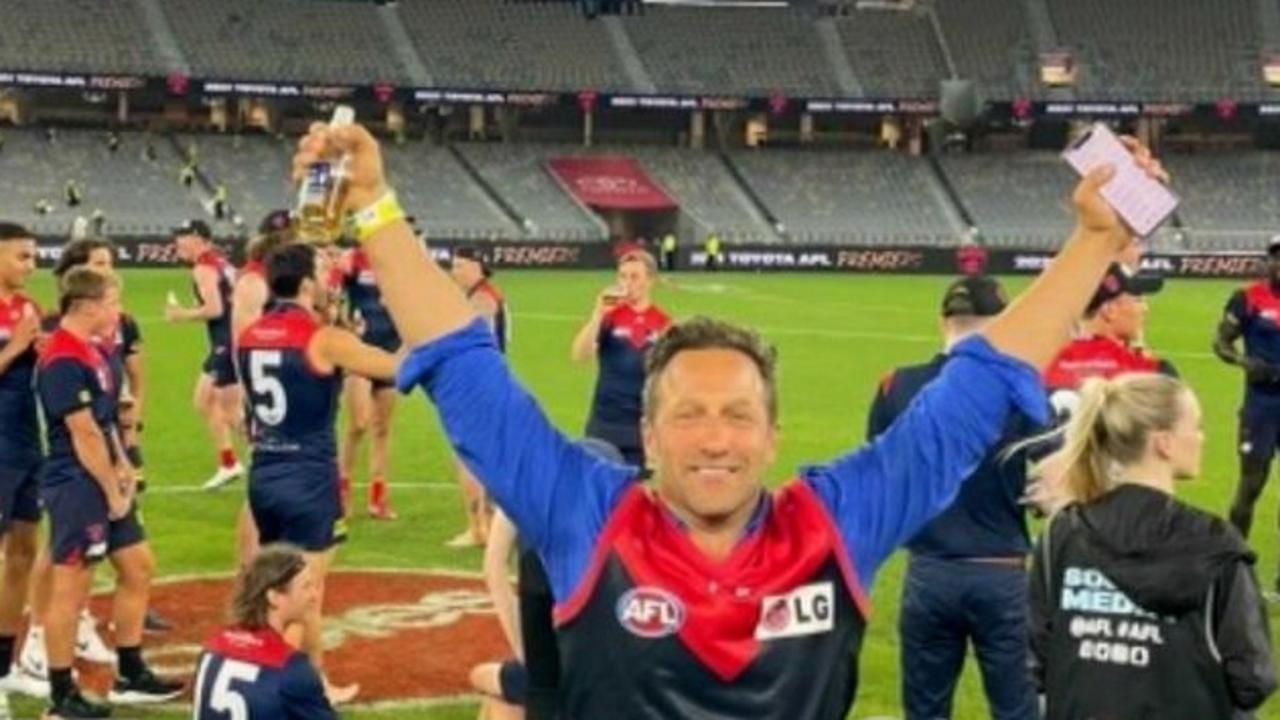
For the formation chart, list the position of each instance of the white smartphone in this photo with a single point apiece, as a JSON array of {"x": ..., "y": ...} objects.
[{"x": 1142, "y": 201}]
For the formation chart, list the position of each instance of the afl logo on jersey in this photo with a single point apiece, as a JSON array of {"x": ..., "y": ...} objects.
[{"x": 650, "y": 612}]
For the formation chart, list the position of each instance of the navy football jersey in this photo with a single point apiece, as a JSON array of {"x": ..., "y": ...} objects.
[
  {"x": 1256, "y": 310},
  {"x": 256, "y": 675},
  {"x": 626, "y": 334},
  {"x": 72, "y": 375},
  {"x": 291, "y": 407},
  {"x": 19, "y": 421},
  {"x": 125, "y": 341},
  {"x": 219, "y": 328},
  {"x": 365, "y": 299}
]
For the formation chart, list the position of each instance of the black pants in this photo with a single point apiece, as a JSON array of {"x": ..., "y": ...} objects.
[
  {"x": 669, "y": 260},
  {"x": 538, "y": 634},
  {"x": 948, "y": 605},
  {"x": 1258, "y": 442}
]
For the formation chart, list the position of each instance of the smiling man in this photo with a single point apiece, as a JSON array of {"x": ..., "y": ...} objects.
[{"x": 706, "y": 596}]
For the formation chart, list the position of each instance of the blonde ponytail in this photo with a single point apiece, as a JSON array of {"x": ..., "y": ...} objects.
[{"x": 1107, "y": 430}]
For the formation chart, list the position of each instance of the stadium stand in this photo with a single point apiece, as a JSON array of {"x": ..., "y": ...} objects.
[
  {"x": 1188, "y": 50},
  {"x": 894, "y": 53},
  {"x": 432, "y": 186},
  {"x": 1015, "y": 199},
  {"x": 850, "y": 197},
  {"x": 494, "y": 44},
  {"x": 706, "y": 191},
  {"x": 1229, "y": 200},
  {"x": 519, "y": 174},
  {"x": 253, "y": 40},
  {"x": 447, "y": 203},
  {"x": 137, "y": 196},
  {"x": 990, "y": 43},
  {"x": 78, "y": 36},
  {"x": 250, "y": 166},
  {"x": 747, "y": 50}
]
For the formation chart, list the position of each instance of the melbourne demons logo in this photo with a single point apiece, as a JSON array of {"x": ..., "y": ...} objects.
[
  {"x": 650, "y": 612},
  {"x": 776, "y": 617}
]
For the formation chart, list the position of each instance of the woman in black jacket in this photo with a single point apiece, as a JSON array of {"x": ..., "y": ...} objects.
[{"x": 1141, "y": 605}]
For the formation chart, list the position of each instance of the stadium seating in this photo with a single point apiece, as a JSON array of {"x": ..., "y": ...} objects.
[
  {"x": 252, "y": 168},
  {"x": 443, "y": 198},
  {"x": 707, "y": 193},
  {"x": 519, "y": 174},
  {"x": 849, "y": 197},
  {"x": 736, "y": 50},
  {"x": 80, "y": 36},
  {"x": 894, "y": 53},
  {"x": 1015, "y": 199},
  {"x": 494, "y": 44},
  {"x": 137, "y": 196},
  {"x": 292, "y": 40},
  {"x": 990, "y": 43},
  {"x": 431, "y": 185},
  {"x": 1229, "y": 200},
  {"x": 1187, "y": 50}
]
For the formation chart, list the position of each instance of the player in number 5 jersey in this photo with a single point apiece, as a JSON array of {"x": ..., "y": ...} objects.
[
  {"x": 290, "y": 364},
  {"x": 247, "y": 670}
]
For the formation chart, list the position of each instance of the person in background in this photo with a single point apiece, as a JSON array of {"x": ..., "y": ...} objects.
[
  {"x": 503, "y": 685},
  {"x": 670, "y": 250},
  {"x": 370, "y": 403},
  {"x": 249, "y": 297},
  {"x": 712, "y": 249},
  {"x": 1253, "y": 314},
  {"x": 1106, "y": 346},
  {"x": 20, "y": 451},
  {"x": 88, "y": 490},
  {"x": 220, "y": 201},
  {"x": 471, "y": 272},
  {"x": 1143, "y": 606},
  {"x": 273, "y": 679},
  {"x": 72, "y": 192},
  {"x": 217, "y": 393},
  {"x": 623, "y": 325},
  {"x": 292, "y": 362},
  {"x": 966, "y": 579}
]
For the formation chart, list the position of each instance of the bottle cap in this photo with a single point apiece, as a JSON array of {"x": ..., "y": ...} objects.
[{"x": 343, "y": 115}]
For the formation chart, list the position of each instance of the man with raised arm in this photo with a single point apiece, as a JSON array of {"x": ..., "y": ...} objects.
[{"x": 707, "y": 595}]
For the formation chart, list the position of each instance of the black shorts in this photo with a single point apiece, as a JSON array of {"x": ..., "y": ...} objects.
[
  {"x": 299, "y": 504},
  {"x": 625, "y": 441},
  {"x": 1258, "y": 433},
  {"x": 513, "y": 682},
  {"x": 220, "y": 366},
  {"x": 80, "y": 530},
  {"x": 388, "y": 341},
  {"x": 19, "y": 493}
]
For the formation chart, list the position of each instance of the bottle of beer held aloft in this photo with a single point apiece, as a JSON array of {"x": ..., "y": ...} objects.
[{"x": 321, "y": 193}]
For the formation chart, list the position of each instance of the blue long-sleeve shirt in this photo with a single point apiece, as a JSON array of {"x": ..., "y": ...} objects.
[{"x": 560, "y": 496}]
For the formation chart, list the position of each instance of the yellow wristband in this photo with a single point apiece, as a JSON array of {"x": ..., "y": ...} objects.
[{"x": 368, "y": 221}]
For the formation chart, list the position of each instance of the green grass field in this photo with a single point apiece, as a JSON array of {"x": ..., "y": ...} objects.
[{"x": 836, "y": 336}]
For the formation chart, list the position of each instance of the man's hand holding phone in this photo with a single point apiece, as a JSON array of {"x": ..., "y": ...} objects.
[{"x": 1137, "y": 190}]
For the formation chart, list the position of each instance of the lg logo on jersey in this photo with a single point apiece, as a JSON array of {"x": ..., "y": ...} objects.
[
  {"x": 653, "y": 613},
  {"x": 807, "y": 610},
  {"x": 650, "y": 612}
]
